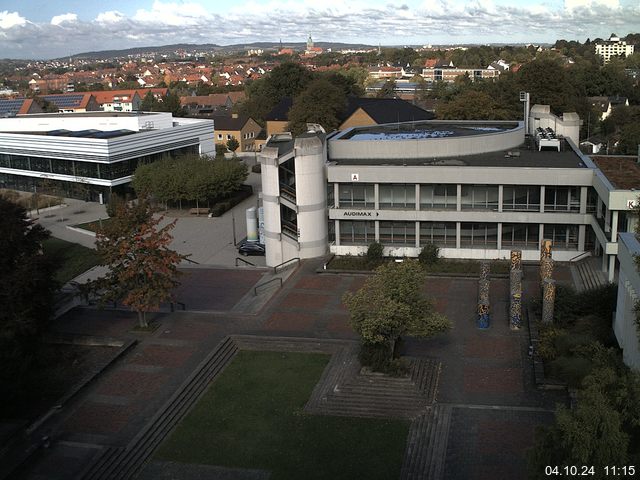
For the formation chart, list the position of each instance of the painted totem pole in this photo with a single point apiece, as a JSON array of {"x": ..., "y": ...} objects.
[{"x": 483, "y": 320}]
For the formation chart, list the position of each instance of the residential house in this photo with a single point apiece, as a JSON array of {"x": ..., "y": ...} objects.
[
  {"x": 73, "y": 102},
  {"x": 605, "y": 105},
  {"x": 242, "y": 128},
  {"x": 118, "y": 100},
  {"x": 18, "y": 106}
]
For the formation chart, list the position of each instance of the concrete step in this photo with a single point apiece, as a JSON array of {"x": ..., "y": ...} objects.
[{"x": 126, "y": 463}]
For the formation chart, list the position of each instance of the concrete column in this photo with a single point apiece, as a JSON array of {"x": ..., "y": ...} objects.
[
  {"x": 583, "y": 200},
  {"x": 540, "y": 234},
  {"x": 542, "y": 190},
  {"x": 459, "y": 200},
  {"x": 376, "y": 195},
  {"x": 377, "y": 228},
  {"x": 336, "y": 195},
  {"x": 458, "y": 232},
  {"x": 417, "y": 196},
  {"x": 599, "y": 208},
  {"x": 499, "y": 236},
  {"x": 612, "y": 267},
  {"x": 582, "y": 236},
  {"x": 614, "y": 226},
  {"x": 500, "y": 199},
  {"x": 417, "y": 234},
  {"x": 337, "y": 230}
]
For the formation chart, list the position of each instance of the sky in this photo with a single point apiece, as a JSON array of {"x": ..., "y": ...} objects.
[{"x": 51, "y": 29}]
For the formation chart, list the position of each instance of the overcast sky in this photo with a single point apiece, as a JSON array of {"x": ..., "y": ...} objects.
[{"x": 49, "y": 29}]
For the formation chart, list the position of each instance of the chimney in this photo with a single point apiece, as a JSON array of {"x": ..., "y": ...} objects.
[{"x": 234, "y": 115}]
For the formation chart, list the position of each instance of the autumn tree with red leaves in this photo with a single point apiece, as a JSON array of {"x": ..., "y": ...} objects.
[{"x": 143, "y": 271}]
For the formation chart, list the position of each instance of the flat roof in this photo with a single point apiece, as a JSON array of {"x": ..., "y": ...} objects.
[
  {"x": 425, "y": 130},
  {"x": 623, "y": 172},
  {"x": 523, "y": 157},
  {"x": 88, "y": 114}
]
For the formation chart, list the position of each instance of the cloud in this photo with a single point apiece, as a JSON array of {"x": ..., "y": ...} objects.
[
  {"x": 173, "y": 14},
  {"x": 357, "y": 21},
  {"x": 112, "y": 16},
  {"x": 11, "y": 19},
  {"x": 65, "y": 18},
  {"x": 590, "y": 4}
]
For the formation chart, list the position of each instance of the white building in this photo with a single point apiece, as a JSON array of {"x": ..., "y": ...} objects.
[
  {"x": 91, "y": 154},
  {"x": 614, "y": 47}
]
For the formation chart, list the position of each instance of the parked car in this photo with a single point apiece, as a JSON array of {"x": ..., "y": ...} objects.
[{"x": 250, "y": 248}]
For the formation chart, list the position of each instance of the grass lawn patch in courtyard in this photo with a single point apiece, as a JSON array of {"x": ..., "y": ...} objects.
[
  {"x": 71, "y": 259},
  {"x": 442, "y": 266},
  {"x": 252, "y": 417},
  {"x": 94, "y": 225}
]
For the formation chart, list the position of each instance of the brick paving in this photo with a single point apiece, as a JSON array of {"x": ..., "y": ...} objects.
[{"x": 479, "y": 368}]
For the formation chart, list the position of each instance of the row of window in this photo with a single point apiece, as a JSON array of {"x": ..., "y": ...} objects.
[
  {"x": 473, "y": 197},
  {"x": 443, "y": 234},
  {"x": 76, "y": 168}
]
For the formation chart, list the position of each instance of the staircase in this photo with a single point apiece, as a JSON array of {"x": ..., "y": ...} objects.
[
  {"x": 587, "y": 275},
  {"x": 426, "y": 450}
]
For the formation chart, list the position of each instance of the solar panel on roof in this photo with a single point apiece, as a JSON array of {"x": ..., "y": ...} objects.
[
  {"x": 61, "y": 132},
  {"x": 64, "y": 100},
  {"x": 113, "y": 134},
  {"x": 84, "y": 133},
  {"x": 10, "y": 106}
]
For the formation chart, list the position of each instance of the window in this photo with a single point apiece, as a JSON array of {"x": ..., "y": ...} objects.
[
  {"x": 400, "y": 196},
  {"x": 219, "y": 136},
  {"x": 398, "y": 233},
  {"x": 438, "y": 197},
  {"x": 520, "y": 235},
  {"x": 479, "y": 197},
  {"x": 228, "y": 136},
  {"x": 479, "y": 235},
  {"x": 442, "y": 234},
  {"x": 562, "y": 199},
  {"x": 353, "y": 232},
  {"x": 563, "y": 237},
  {"x": 358, "y": 195},
  {"x": 521, "y": 198}
]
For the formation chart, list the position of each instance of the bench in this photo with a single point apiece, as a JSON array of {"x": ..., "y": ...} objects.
[{"x": 198, "y": 211}]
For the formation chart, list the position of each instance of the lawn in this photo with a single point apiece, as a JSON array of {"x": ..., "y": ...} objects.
[
  {"x": 71, "y": 259},
  {"x": 252, "y": 417},
  {"x": 94, "y": 225},
  {"x": 442, "y": 266}
]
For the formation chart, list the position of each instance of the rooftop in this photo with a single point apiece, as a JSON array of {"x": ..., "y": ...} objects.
[
  {"x": 418, "y": 130},
  {"x": 622, "y": 172}
]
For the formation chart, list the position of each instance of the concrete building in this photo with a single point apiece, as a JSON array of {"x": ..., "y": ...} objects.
[
  {"x": 626, "y": 329},
  {"x": 475, "y": 189},
  {"x": 89, "y": 155},
  {"x": 614, "y": 47}
]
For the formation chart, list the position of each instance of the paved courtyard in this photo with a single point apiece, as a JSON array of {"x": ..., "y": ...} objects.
[{"x": 486, "y": 376}]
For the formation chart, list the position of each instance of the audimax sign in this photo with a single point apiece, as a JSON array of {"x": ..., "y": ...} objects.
[{"x": 360, "y": 213}]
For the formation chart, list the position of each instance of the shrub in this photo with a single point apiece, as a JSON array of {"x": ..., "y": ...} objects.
[
  {"x": 376, "y": 356},
  {"x": 374, "y": 252},
  {"x": 429, "y": 254}
]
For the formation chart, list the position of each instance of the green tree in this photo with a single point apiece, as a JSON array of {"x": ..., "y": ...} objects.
[
  {"x": 549, "y": 83},
  {"x": 602, "y": 430},
  {"x": 321, "y": 102},
  {"x": 149, "y": 103},
  {"x": 388, "y": 89},
  {"x": 233, "y": 144},
  {"x": 142, "y": 270},
  {"x": 391, "y": 304},
  {"x": 472, "y": 105},
  {"x": 26, "y": 295}
]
